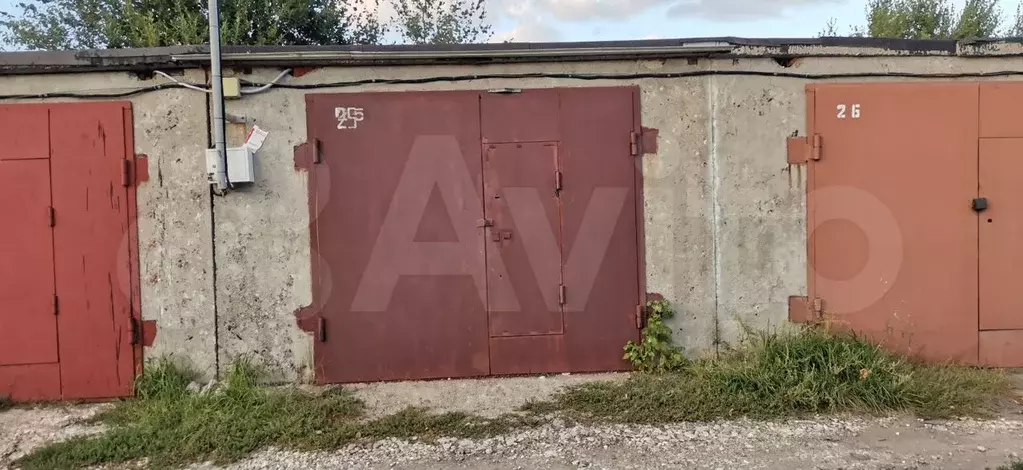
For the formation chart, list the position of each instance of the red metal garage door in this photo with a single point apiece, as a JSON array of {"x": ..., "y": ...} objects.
[
  {"x": 465, "y": 234},
  {"x": 66, "y": 280}
]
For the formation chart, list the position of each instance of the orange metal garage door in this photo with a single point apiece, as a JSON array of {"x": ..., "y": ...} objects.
[{"x": 915, "y": 216}]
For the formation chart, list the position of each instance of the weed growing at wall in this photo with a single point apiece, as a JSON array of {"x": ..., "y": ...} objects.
[
  {"x": 656, "y": 351},
  {"x": 5, "y": 402},
  {"x": 776, "y": 375}
]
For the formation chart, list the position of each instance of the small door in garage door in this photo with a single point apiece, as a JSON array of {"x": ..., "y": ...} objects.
[
  {"x": 523, "y": 204},
  {"x": 561, "y": 190}
]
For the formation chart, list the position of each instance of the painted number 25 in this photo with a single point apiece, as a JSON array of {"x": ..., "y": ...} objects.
[{"x": 853, "y": 111}]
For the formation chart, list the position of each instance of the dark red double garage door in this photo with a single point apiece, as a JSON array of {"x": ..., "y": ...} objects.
[{"x": 464, "y": 234}]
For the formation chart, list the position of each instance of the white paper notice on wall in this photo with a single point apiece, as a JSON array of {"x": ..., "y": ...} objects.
[{"x": 255, "y": 139}]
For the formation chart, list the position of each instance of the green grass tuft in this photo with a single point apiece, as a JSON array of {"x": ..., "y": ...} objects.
[
  {"x": 172, "y": 426},
  {"x": 6, "y": 403},
  {"x": 777, "y": 375},
  {"x": 1014, "y": 465}
]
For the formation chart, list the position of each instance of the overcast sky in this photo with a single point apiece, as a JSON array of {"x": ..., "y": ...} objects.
[{"x": 585, "y": 20}]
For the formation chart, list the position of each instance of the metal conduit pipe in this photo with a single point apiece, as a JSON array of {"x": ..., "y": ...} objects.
[{"x": 219, "y": 139}]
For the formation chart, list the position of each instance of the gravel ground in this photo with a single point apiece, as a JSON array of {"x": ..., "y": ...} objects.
[
  {"x": 24, "y": 429},
  {"x": 823, "y": 442},
  {"x": 488, "y": 397}
]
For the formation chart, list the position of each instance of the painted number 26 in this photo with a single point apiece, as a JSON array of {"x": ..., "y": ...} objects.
[{"x": 853, "y": 111}]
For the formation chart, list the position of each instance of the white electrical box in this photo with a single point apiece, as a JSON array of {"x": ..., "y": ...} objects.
[{"x": 240, "y": 165}]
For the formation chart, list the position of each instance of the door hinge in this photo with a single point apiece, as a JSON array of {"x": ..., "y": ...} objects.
[
  {"x": 640, "y": 317},
  {"x": 817, "y": 307},
  {"x": 321, "y": 330},
  {"x": 815, "y": 147},
  {"x": 136, "y": 335},
  {"x": 557, "y": 181},
  {"x": 51, "y": 216},
  {"x": 56, "y": 305},
  {"x": 561, "y": 295},
  {"x": 317, "y": 151},
  {"x": 633, "y": 143},
  {"x": 125, "y": 173}
]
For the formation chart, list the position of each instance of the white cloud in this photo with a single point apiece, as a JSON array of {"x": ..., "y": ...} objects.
[
  {"x": 532, "y": 19},
  {"x": 738, "y": 10},
  {"x": 529, "y": 30}
]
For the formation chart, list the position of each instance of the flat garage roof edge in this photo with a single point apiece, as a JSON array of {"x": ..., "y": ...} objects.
[{"x": 177, "y": 57}]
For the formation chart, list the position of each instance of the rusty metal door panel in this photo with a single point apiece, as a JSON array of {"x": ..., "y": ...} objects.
[
  {"x": 31, "y": 382},
  {"x": 999, "y": 109},
  {"x": 1001, "y": 233},
  {"x": 28, "y": 328},
  {"x": 91, "y": 249},
  {"x": 527, "y": 116},
  {"x": 24, "y": 131},
  {"x": 400, "y": 277},
  {"x": 600, "y": 223},
  {"x": 893, "y": 238},
  {"x": 1002, "y": 348},
  {"x": 521, "y": 201}
]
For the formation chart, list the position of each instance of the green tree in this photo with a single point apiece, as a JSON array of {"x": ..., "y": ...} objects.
[
  {"x": 441, "y": 21},
  {"x": 929, "y": 19},
  {"x": 100, "y": 24}
]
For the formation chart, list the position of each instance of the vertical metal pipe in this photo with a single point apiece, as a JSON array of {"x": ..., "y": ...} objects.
[{"x": 219, "y": 141}]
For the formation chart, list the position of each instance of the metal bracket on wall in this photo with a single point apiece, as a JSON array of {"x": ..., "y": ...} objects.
[
  {"x": 802, "y": 150},
  {"x": 800, "y": 310}
]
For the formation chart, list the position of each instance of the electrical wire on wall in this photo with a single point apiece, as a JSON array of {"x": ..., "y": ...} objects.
[{"x": 275, "y": 83}]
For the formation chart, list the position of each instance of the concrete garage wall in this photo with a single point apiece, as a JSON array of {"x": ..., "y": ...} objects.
[
  {"x": 725, "y": 214},
  {"x": 725, "y": 220},
  {"x": 175, "y": 236}
]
